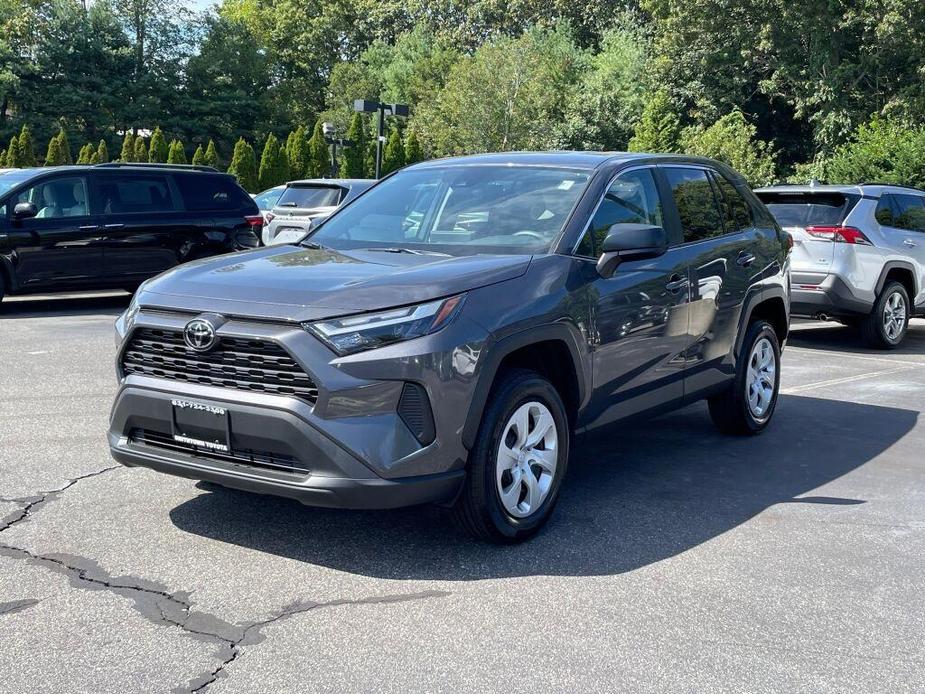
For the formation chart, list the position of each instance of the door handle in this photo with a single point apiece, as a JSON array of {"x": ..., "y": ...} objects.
[
  {"x": 676, "y": 283},
  {"x": 745, "y": 259},
  {"x": 910, "y": 243},
  {"x": 113, "y": 226}
]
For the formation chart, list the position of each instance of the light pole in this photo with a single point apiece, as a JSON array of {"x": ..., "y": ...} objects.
[
  {"x": 330, "y": 136},
  {"x": 363, "y": 106}
]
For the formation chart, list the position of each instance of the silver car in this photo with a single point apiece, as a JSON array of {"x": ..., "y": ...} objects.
[
  {"x": 304, "y": 203},
  {"x": 858, "y": 255}
]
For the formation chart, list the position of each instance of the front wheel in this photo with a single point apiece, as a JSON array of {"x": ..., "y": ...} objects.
[
  {"x": 886, "y": 325},
  {"x": 518, "y": 460},
  {"x": 748, "y": 405}
]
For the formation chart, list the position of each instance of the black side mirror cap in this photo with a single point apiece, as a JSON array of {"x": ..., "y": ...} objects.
[
  {"x": 631, "y": 242},
  {"x": 24, "y": 210}
]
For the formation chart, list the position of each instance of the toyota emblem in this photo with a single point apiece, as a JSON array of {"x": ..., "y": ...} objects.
[{"x": 199, "y": 334}]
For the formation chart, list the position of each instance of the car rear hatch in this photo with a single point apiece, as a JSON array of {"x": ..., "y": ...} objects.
[{"x": 809, "y": 216}]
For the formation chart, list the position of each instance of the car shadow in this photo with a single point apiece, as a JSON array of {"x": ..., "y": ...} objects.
[
  {"x": 844, "y": 338},
  {"x": 634, "y": 495},
  {"x": 66, "y": 305}
]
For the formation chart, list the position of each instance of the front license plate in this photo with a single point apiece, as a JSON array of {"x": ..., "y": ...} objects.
[{"x": 201, "y": 425}]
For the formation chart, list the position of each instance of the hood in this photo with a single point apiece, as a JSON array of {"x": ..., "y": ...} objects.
[{"x": 297, "y": 284}]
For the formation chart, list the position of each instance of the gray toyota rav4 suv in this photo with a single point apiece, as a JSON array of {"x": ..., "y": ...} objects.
[{"x": 442, "y": 337}]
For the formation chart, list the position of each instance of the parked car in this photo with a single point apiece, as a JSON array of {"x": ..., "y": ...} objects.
[
  {"x": 115, "y": 225},
  {"x": 441, "y": 338},
  {"x": 305, "y": 203},
  {"x": 266, "y": 200},
  {"x": 859, "y": 254}
]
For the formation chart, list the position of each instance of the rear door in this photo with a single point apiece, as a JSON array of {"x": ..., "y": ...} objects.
[
  {"x": 144, "y": 225},
  {"x": 224, "y": 216},
  {"x": 902, "y": 221},
  {"x": 62, "y": 244}
]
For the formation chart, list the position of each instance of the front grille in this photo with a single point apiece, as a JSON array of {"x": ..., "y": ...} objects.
[
  {"x": 253, "y": 365},
  {"x": 254, "y": 459}
]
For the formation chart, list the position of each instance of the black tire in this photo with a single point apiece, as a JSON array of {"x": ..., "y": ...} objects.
[
  {"x": 479, "y": 509},
  {"x": 873, "y": 326},
  {"x": 730, "y": 409}
]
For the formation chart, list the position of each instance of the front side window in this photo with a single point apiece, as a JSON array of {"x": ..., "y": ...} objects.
[
  {"x": 631, "y": 199},
  {"x": 135, "y": 194},
  {"x": 60, "y": 197},
  {"x": 696, "y": 202},
  {"x": 459, "y": 210},
  {"x": 736, "y": 210},
  {"x": 910, "y": 212}
]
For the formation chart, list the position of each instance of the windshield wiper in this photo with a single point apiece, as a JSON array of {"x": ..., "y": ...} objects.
[
  {"x": 412, "y": 251},
  {"x": 314, "y": 245}
]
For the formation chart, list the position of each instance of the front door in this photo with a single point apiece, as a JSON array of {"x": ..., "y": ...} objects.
[
  {"x": 62, "y": 245},
  {"x": 639, "y": 315}
]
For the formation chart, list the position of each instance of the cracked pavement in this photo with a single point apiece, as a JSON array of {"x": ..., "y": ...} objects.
[{"x": 678, "y": 559}]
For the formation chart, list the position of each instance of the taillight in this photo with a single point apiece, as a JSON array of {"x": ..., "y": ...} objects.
[
  {"x": 254, "y": 220},
  {"x": 789, "y": 241},
  {"x": 839, "y": 234}
]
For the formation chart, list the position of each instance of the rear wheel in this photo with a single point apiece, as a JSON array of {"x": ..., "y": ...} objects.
[
  {"x": 886, "y": 325},
  {"x": 748, "y": 405},
  {"x": 518, "y": 460}
]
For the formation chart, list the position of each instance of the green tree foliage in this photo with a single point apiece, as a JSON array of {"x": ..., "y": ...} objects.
[
  {"x": 64, "y": 145},
  {"x": 141, "y": 149},
  {"x": 271, "y": 173},
  {"x": 102, "y": 153},
  {"x": 283, "y": 173},
  {"x": 319, "y": 158},
  {"x": 27, "y": 156},
  {"x": 128, "y": 147},
  {"x": 659, "y": 128},
  {"x": 83, "y": 155},
  {"x": 211, "y": 156},
  {"x": 413, "y": 151},
  {"x": 94, "y": 156},
  {"x": 199, "y": 156},
  {"x": 354, "y": 157},
  {"x": 176, "y": 153},
  {"x": 297, "y": 151},
  {"x": 733, "y": 140},
  {"x": 393, "y": 158},
  {"x": 244, "y": 166},
  {"x": 158, "y": 149},
  {"x": 12, "y": 154},
  {"x": 54, "y": 156}
]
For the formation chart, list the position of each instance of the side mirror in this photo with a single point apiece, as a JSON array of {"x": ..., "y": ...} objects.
[
  {"x": 25, "y": 210},
  {"x": 630, "y": 242}
]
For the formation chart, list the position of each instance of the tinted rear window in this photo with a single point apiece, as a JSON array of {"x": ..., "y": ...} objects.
[
  {"x": 202, "y": 192},
  {"x": 309, "y": 196},
  {"x": 808, "y": 209}
]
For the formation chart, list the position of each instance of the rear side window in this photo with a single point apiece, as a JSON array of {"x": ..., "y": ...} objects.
[
  {"x": 736, "y": 210},
  {"x": 696, "y": 202},
  {"x": 135, "y": 194},
  {"x": 309, "y": 196},
  {"x": 910, "y": 212},
  {"x": 202, "y": 192},
  {"x": 808, "y": 209}
]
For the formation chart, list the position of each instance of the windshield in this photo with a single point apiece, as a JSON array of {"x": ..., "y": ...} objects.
[
  {"x": 309, "y": 196},
  {"x": 803, "y": 210},
  {"x": 459, "y": 210},
  {"x": 10, "y": 179}
]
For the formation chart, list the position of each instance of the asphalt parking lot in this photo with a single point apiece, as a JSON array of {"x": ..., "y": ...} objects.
[{"x": 678, "y": 560}]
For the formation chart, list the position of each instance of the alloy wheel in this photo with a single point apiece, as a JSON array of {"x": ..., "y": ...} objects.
[
  {"x": 894, "y": 316},
  {"x": 761, "y": 378},
  {"x": 527, "y": 459}
]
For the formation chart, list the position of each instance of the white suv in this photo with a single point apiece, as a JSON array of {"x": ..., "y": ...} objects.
[{"x": 858, "y": 254}]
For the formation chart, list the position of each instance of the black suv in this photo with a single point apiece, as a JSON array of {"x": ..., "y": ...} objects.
[
  {"x": 115, "y": 225},
  {"x": 441, "y": 337}
]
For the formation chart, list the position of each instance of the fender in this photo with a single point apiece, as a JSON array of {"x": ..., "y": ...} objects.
[
  {"x": 898, "y": 265},
  {"x": 752, "y": 300},
  {"x": 561, "y": 332}
]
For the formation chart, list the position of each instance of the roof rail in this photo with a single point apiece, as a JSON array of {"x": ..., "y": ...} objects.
[
  {"x": 893, "y": 185},
  {"x": 153, "y": 165}
]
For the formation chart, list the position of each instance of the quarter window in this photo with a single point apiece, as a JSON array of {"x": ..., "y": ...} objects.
[
  {"x": 136, "y": 194},
  {"x": 697, "y": 206},
  {"x": 60, "y": 197},
  {"x": 735, "y": 208},
  {"x": 631, "y": 199}
]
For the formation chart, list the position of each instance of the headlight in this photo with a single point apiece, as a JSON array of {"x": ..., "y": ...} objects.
[{"x": 371, "y": 330}]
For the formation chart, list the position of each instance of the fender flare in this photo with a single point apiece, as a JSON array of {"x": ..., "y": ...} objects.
[
  {"x": 898, "y": 265},
  {"x": 558, "y": 332},
  {"x": 751, "y": 302}
]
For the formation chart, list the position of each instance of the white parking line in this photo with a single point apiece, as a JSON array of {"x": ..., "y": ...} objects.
[
  {"x": 845, "y": 379},
  {"x": 807, "y": 350}
]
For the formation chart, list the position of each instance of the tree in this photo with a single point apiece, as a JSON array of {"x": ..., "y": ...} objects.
[
  {"x": 659, "y": 129},
  {"x": 102, "y": 152},
  {"x": 199, "y": 156},
  {"x": 297, "y": 152},
  {"x": 413, "y": 151},
  {"x": 355, "y": 155},
  {"x": 211, "y": 155},
  {"x": 83, "y": 155},
  {"x": 12, "y": 154},
  {"x": 244, "y": 166},
  {"x": 393, "y": 158},
  {"x": 269, "y": 173},
  {"x": 319, "y": 161},
  {"x": 54, "y": 156},
  {"x": 176, "y": 154},
  {"x": 26, "y": 149},
  {"x": 141, "y": 149},
  {"x": 65, "y": 146},
  {"x": 158, "y": 150},
  {"x": 94, "y": 156},
  {"x": 284, "y": 174},
  {"x": 128, "y": 147},
  {"x": 733, "y": 140}
]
